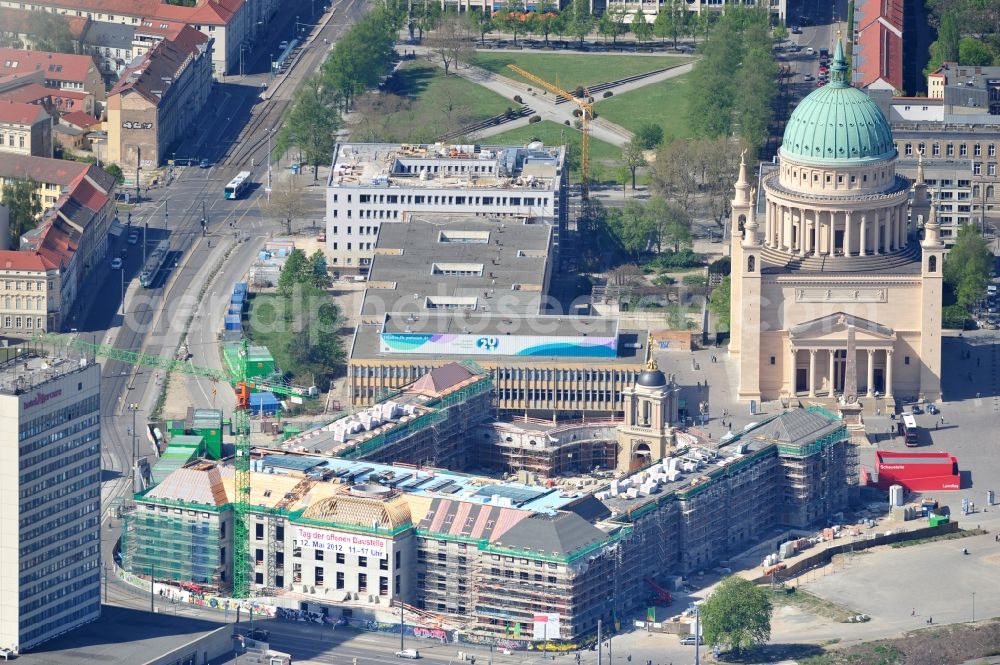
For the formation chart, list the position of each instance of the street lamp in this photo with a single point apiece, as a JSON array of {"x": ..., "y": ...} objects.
[
  {"x": 268, "y": 189},
  {"x": 973, "y": 607},
  {"x": 133, "y": 407}
]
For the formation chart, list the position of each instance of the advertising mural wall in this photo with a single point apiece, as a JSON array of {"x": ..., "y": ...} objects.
[
  {"x": 499, "y": 345},
  {"x": 341, "y": 541}
]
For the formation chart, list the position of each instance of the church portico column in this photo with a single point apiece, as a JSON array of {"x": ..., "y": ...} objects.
[
  {"x": 815, "y": 240},
  {"x": 903, "y": 235},
  {"x": 791, "y": 371},
  {"x": 800, "y": 233},
  {"x": 768, "y": 219},
  {"x": 833, "y": 232},
  {"x": 871, "y": 373},
  {"x": 878, "y": 235},
  {"x": 862, "y": 251},
  {"x": 847, "y": 233},
  {"x": 832, "y": 356},
  {"x": 812, "y": 372},
  {"x": 888, "y": 374}
]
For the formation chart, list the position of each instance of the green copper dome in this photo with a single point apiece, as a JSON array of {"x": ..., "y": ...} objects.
[{"x": 837, "y": 124}]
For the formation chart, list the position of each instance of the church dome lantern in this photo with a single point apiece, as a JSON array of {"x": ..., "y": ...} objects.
[{"x": 837, "y": 124}]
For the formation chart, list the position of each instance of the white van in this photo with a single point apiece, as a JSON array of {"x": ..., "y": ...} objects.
[{"x": 408, "y": 653}]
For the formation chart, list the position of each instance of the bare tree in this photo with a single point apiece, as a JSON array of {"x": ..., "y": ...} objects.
[
  {"x": 719, "y": 163},
  {"x": 286, "y": 201},
  {"x": 674, "y": 173},
  {"x": 450, "y": 40}
]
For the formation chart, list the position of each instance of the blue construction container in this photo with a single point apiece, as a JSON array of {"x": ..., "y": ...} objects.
[
  {"x": 233, "y": 322},
  {"x": 263, "y": 404},
  {"x": 241, "y": 288},
  {"x": 238, "y": 299},
  {"x": 235, "y": 310}
]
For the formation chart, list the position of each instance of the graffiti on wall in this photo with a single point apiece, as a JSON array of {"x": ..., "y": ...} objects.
[
  {"x": 443, "y": 636},
  {"x": 178, "y": 595}
]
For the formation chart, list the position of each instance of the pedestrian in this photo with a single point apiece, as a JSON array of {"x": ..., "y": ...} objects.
[
  {"x": 913, "y": 612},
  {"x": 936, "y": 425}
]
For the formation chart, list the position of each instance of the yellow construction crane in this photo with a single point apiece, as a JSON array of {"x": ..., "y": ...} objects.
[{"x": 587, "y": 114}]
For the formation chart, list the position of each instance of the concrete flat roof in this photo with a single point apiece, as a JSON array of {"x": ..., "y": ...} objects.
[
  {"x": 448, "y": 166},
  {"x": 122, "y": 635},
  {"x": 435, "y": 262}
]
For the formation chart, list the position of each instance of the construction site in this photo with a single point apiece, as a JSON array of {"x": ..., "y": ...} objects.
[{"x": 361, "y": 514}]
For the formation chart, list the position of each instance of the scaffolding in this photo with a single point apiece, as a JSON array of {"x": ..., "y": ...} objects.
[{"x": 180, "y": 545}]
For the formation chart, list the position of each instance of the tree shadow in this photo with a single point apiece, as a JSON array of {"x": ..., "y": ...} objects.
[
  {"x": 410, "y": 81},
  {"x": 771, "y": 653}
]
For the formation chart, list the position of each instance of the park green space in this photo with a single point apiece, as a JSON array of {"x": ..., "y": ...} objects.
[
  {"x": 436, "y": 104},
  {"x": 568, "y": 70},
  {"x": 663, "y": 103}
]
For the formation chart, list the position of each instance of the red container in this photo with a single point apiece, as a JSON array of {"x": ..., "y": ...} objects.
[{"x": 917, "y": 472}]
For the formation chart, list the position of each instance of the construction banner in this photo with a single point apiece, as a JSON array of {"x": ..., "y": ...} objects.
[{"x": 651, "y": 613}]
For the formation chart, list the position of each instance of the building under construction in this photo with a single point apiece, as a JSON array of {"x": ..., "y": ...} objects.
[{"x": 342, "y": 531}]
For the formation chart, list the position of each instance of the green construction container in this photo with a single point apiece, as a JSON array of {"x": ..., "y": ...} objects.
[
  {"x": 181, "y": 450},
  {"x": 176, "y": 427},
  {"x": 938, "y": 519},
  {"x": 207, "y": 423},
  {"x": 260, "y": 362}
]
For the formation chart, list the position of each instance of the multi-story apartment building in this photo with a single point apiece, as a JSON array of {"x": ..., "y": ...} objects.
[
  {"x": 61, "y": 71},
  {"x": 957, "y": 122},
  {"x": 29, "y": 294},
  {"x": 53, "y": 176},
  {"x": 50, "y": 493},
  {"x": 778, "y": 8},
  {"x": 232, "y": 24},
  {"x": 25, "y": 129},
  {"x": 158, "y": 98},
  {"x": 373, "y": 184}
]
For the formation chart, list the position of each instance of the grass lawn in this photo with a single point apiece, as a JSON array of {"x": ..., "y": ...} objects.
[
  {"x": 425, "y": 104},
  {"x": 663, "y": 104},
  {"x": 265, "y": 331},
  {"x": 568, "y": 70}
]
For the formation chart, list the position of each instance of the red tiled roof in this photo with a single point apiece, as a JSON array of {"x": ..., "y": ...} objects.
[
  {"x": 80, "y": 119},
  {"x": 42, "y": 169},
  {"x": 57, "y": 66},
  {"x": 14, "y": 260},
  {"x": 20, "y": 113},
  {"x": 210, "y": 12},
  {"x": 30, "y": 93},
  {"x": 87, "y": 195},
  {"x": 880, "y": 42},
  {"x": 161, "y": 63}
]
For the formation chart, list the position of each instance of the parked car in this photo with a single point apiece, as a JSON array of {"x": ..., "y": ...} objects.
[
  {"x": 283, "y": 45},
  {"x": 796, "y": 30},
  {"x": 408, "y": 653},
  {"x": 259, "y": 635},
  {"x": 133, "y": 238},
  {"x": 810, "y": 50},
  {"x": 7, "y": 654},
  {"x": 204, "y": 164},
  {"x": 933, "y": 410},
  {"x": 116, "y": 263},
  {"x": 691, "y": 640},
  {"x": 916, "y": 410},
  {"x": 809, "y": 77}
]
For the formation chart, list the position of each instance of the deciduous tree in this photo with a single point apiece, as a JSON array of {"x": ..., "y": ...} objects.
[
  {"x": 612, "y": 23},
  {"x": 286, "y": 201},
  {"x": 973, "y": 52},
  {"x": 312, "y": 124},
  {"x": 736, "y": 616},
  {"x": 649, "y": 135},
  {"x": 579, "y": 19},
  {"x": 23, "y": 206},
  {"x": 49, "y": 31},
  {"x": 632, "y": 157},
  {"x": 480, "y": 22},
  {"x": 450, "y": 41},
  {"x": 641, "y": 27},
  {"x": 967, "y": 266},
  {"x": 719, "y": 302}
]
